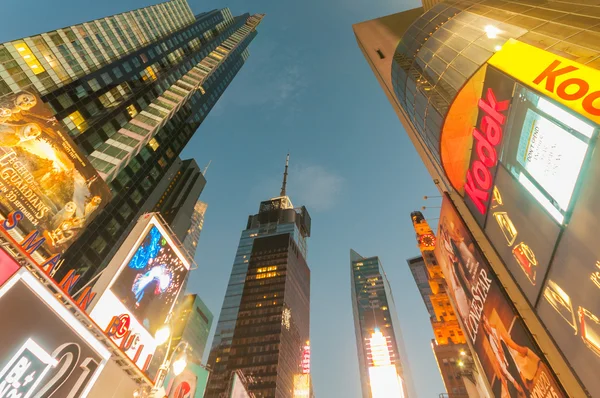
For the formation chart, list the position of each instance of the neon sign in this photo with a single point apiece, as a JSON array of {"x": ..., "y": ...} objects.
[
  {"x": 306, "y": 359},
  {"x": 479, "y": 177}
]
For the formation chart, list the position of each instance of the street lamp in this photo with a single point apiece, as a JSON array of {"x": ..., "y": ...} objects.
[{"x": 163, "y": 335}]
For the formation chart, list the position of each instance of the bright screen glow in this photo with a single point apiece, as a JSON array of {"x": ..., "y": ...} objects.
[
  {"x": 385, "y": 382},
  {"x": 552, "y": 156},
  {"x": 301, "y": 386}
]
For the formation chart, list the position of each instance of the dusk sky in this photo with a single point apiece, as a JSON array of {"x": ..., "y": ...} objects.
[{"x": 306, "y": 88}]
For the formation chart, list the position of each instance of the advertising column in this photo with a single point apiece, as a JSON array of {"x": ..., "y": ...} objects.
[
  {"x": 507, "y": 353},
  {"x": 139, "y": 288}
]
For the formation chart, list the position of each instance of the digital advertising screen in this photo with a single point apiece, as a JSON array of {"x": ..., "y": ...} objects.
[
  {"x": 511, "y": 361},
  {"x": 150, "y": 282},
  {"x": 522, "y": 232},
  {"x": 44, "y": 350},
  {"x": 570, "y": 302},
  {"x": 44, "y": 175},
  {"x": 545, "y": 148}
]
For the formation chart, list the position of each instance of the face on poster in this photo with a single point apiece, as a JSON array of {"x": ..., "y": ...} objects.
[
  {"x": 150, "y": 282},
  {"x": 510, "y": 359},
  {"x": 44, "y": 350},
  {"x": 44, "y": 175}
]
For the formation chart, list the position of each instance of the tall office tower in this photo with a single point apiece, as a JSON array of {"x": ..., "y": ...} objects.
[
  {"x": 263, "y": 328},
  {"x": 449, "y": 344},
  {"x": 496, "y": 96},
  {"x": 383, "y": 366},
  {"x": 190, "y": 243},
  {"x": 131, "y": 89},
  {"x": 193, "y": 321}
]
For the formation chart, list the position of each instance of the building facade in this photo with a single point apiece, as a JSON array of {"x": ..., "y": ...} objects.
[
  {"x": 131, "y": 89},
  {"x": 499, "y": 99},
  {"x": 449, "y": 343},
  {"x": 263, "y": 327},
  {"x": 192, "y": 324},
  {"x": 383, "y": 366}
]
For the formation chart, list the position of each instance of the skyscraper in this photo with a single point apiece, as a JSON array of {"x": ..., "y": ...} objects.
[
  {"x": 190, "y": 243},
  {"x": 131, "y": 89},
  {"x": 263, "y": 328},
  {"x": 383, "y": 366}
]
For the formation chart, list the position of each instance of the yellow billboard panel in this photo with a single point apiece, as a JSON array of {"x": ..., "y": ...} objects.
[{"x": 574, "y": 85}]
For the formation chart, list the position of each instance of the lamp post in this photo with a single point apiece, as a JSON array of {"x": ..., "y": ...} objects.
[{"x": 162, "y": 336}]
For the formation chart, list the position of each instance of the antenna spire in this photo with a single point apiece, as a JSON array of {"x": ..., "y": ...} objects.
[
  {"x": 206, "y": 168},
  {"x": 285, "y": 174}
]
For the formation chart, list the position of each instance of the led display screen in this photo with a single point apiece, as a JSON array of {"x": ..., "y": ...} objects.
[
  {"x": 523, "y": 234},
  {"x": 44, "y": 175},
  {"x": 545, "y": 150},
  {"x": 569, "y": 304},
  {"x": 41, "y": 326},
  {"x": 150, "y": 282},
  {"x": 510, "y": 359}
]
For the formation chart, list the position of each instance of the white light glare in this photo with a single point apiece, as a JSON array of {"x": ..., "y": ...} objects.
[
  {"x": 162, "y": 335},
  {"x": 179, "y": 365},
  {"x": 491, "y": 31}
]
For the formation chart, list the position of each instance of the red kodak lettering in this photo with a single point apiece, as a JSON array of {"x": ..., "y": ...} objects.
[
  {"x": 582, "y": 89},
  {"x": 493, "y": 107},
  {"x": 551, "y": 73},
  {"x": 478, "y": 196},
  {"x": 588, "y": 103},
  {"x": 485, "y": 150}
]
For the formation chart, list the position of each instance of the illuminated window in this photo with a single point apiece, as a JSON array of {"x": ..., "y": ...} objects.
[
  {"x": 78, "y": 120},
  {"x": 153, "y": 144},
  {"x": 29, "y": 58},
  {"x": 132, "y": 111}
]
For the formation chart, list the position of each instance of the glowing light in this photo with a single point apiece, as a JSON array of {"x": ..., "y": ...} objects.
[
  {"x": 179, "y": 365},
  {"x": 498, "y": 48},
  {"x": 286, "y": 318},
  {"x": 306, "y": 359},
  {"x": 301, "y": 386},
  {"x": 380, "y": 353},
  {"x": 462, "y": 353},
  {"x": 385, "y": 382},
  {"x": 491, "y": 31},
  {"x": 461, "y": 364},
  {"x": 162, "y": 335}
]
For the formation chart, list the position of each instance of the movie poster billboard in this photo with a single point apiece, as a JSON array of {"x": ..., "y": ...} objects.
[
  {"x": 44, "y": 175},
  {"x": 44, "y": 350},
  {"x": 508, "y": 354},
  {"x": 142, "y": 285}
]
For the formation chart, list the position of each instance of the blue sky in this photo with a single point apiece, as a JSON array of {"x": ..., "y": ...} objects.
[{"x": 306, "y": 87}]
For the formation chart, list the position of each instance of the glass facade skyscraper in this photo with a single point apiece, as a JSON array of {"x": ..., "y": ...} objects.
[
  {"x": 190, "y": 243},
  {"x": 263, "y": 328},
  {"x": 131, "y": 89},
  {"x": 383, "y": 365}
]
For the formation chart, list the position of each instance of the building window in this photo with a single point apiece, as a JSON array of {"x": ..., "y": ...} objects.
[
  {"x": 381, "y": 56},
  {"x": 77, "y": 118}
]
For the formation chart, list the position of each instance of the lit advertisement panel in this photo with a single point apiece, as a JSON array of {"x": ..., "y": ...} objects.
[
  {"x": 569, "y": 304},
  {"x": 509, "y": 357},
  {"x": 150, "y": 282},
  {"x": 544, "y": 149},
  {"x": 191, "y": 383},
  {"x": 139, "y": 290},
  {"x": 43, "y": 332},
  {"x": 44, "y": 175},
  {"x": 302, "y": 386},
  {"x": 8, "y": 266},
  {"x": 385, "y": 382},
  {"x": 522, "y": 233}
]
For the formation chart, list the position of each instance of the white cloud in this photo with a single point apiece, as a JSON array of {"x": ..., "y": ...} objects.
[{"x": 314, "y": 187}]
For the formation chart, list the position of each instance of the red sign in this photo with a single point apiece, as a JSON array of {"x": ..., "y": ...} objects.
[
  {"x": 479, "y": 177},
  {"x": 571, "y": 89},
  {"x": 8, "y": 267},
  {"x": 306, "y": 359},
  {"x": 120, "y": 328}
]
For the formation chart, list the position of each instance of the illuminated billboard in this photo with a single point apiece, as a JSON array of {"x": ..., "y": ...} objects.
[
  {"x": 383, "y": 375},
  {"x": 191, "y": 383},
  {"x": 139, "y": 289},
  {"x": 569, "y": 304},
  {"x": 44, "y": 350},
  {"x": 511, "y": 360},
  {"x": 43, "y": 175},
  {"x": 8, "y": 267}
]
